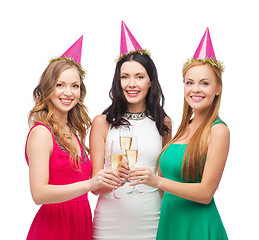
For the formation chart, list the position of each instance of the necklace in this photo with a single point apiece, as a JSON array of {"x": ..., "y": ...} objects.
[{"x": 135, "y": 116}]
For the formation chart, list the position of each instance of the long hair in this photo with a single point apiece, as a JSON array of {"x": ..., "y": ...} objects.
[
  {"x": 196, "y": 150},
  {"x": 154, "y": 99},
  {"x": 78, "y": 119}
]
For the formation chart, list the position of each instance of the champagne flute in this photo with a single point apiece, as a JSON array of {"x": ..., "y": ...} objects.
[
  {"x": 132, "y": 156},
  {"x": 125, "y": 138},
  {"x": 116, "y": 159}
]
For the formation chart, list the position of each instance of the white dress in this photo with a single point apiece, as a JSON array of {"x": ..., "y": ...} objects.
[{"x": 133, "y": 216}]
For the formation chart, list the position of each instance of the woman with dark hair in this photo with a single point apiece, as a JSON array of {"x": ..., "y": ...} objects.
[
  {"x": 137, "y": 102},
  {"x": 154, "y": 97}
]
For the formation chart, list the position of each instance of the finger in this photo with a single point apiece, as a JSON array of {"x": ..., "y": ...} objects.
[
  {"x": 111, "y": 172},
  {"x": 123, "y": 176},
  {"x": 136, "y": 182},
  {"x": 123, "y": 170},
  {"x": 110, "y": 182},
  {"x": 137, "y": 173},
  {"x": 110, "y": 186},
  {"x": 111, "y": 177},
  {"x": 137, "y": 170},
  {"x": 125, "y": 165}
]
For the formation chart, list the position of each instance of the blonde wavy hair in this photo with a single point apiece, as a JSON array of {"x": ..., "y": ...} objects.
[
  {"x": 197, "y": 147},
  {"x": 78, "y": 119}
]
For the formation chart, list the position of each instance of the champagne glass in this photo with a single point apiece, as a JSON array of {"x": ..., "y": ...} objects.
[
  {"x": 132, "y": 156},
  {"x": 125, "y": 138},
  {"x": 116, "y": 159}
]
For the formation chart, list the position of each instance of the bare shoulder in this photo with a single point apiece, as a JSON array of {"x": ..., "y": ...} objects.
[
  {"x": 99, "y": 126},
  {"x": 40, "y": 133},
  {"x": 100, "y": 120},
  {"x": 220, "y": 130},
  {"x": 39, "y": 143}
]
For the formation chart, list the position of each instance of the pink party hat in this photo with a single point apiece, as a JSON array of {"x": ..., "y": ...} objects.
[
  {"x": 74, "y": 52},
  {"x": 205, "y": 48},
  {"x": 73, "y": 55},
  {"x": 128, "y": 42}
]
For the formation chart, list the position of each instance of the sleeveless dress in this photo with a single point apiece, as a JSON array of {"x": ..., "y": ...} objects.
[
  {"x": 133, "y": 216},
  {"x": 70, "y": 220},
  {"x": 182, "y": 219}
]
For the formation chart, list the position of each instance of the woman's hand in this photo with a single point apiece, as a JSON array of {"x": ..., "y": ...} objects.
[
  {"x": 105, "y": 178},
  {"x": 143, "y": 175},
  {"x": 123, "y": 171}
]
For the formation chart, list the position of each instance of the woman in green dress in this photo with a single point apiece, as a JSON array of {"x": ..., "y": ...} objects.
[{"x": 192, "y": 163}]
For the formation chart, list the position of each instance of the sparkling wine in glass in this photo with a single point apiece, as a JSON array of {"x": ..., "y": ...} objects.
[
  {"x": 132, "y": 157},
  {"x": 125, "y": 138},
  {"x": 116, "y": 159}
]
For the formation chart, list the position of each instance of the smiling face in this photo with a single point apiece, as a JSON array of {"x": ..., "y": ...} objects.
[
  {"x": 135, "y": 84},
  {"x": 200, "y": 87},
  {"x": 67, "y": 91}
]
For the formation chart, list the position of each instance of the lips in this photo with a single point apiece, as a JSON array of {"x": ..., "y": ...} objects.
[
  {"x": 132, "y": 93},
  {"x": 197, "y": 98},
  {"x": 66, "y": 101}
]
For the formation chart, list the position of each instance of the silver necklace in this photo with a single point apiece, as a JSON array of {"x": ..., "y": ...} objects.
[{"x": 135, "y": 116}]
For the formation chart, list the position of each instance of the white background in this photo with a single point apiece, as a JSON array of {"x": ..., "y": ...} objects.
[{"x": 34, "y": 31}]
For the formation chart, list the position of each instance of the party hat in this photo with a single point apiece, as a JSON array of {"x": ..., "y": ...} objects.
[
  {"x": 129, "y": 44},
  {"x": 73, "y": 55},
  {"x": 205, "y": 53},
  {"x": 74, "y": 52},
  {"x": 205, "y": 48}
]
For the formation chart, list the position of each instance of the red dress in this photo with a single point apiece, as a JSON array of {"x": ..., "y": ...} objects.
[{"x": 70, "y": 220}]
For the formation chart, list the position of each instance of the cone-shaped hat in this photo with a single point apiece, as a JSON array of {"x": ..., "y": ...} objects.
[
  {"x": 205, "y": 48},
  {"x": 74, "y": 52},
  {"x": 128, "y": 42}
]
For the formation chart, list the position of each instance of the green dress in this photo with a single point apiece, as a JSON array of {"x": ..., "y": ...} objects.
[{"x": 182, "y": 219}]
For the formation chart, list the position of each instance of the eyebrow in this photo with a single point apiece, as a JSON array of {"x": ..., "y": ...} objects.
[
  {"x": 59, "y": 81},
  {"x": 135, "y": 74},
  {"x": 203, "y": 79}
]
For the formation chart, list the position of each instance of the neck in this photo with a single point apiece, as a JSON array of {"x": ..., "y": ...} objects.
[
  {"x": 61, "y": 119},
  {"x": 132, "y": 108},
  {"x": 199, "y": 117}
]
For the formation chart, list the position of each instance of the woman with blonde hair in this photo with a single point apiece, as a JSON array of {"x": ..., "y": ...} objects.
[
  {"x": 192, "y": 163},
  {"x": 59, "y": 167}
]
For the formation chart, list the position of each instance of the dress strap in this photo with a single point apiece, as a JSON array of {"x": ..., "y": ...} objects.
[{"x": 217, "y": 121}]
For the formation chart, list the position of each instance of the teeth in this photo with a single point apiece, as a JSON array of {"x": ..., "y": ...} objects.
[
  {"x": 66, "y": 101},
  {"x": 132, "y": 92},
  {"x": 197, "y": 98}
]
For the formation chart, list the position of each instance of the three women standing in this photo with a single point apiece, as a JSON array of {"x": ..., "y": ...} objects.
[{"x": 190, "y": 166}]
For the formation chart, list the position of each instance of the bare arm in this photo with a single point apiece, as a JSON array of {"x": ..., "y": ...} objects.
[
  {"x": 39, "y": 149},
  {"x": 161, "y": 192},
  {"x": 166, "y": 138},
  {"x": 98, "y": 134},
  {"x": 198, "y": 192}
]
